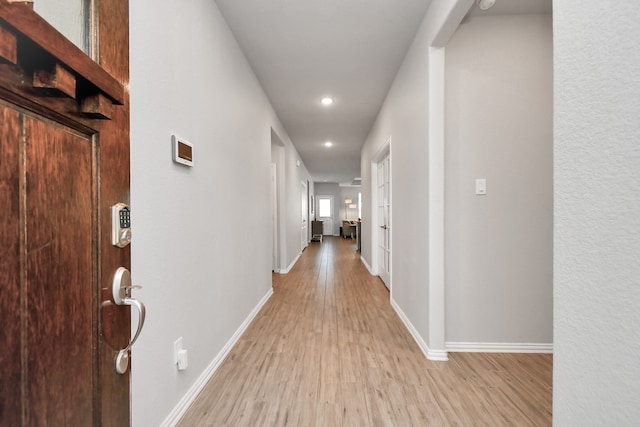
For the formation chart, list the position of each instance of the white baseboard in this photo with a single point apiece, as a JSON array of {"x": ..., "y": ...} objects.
[
  {"x": 498, "y": 347},
  {"x": 437, "y": 355},
  {"x": 190, "y": 396},
  {"x": 288, "y": 269},
  {"x": 364, "y": 261}
]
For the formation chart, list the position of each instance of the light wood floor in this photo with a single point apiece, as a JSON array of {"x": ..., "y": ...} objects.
[{"x": 328, "y": 350}]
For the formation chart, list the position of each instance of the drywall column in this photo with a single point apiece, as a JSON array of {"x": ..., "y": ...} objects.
[
  {"x": 443, "y": 18},
  {"x": 597, "y": 213},
  {"x": 436, "y": 204}
]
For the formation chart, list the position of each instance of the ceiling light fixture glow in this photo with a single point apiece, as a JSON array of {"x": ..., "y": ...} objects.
[
  {"x": 485, "y": 4},
  {"x": 328, "y": 144},
  {"x": 326, "y": 101}
]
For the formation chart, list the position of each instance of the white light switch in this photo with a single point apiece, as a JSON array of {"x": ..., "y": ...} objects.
[
  {"x": 177, "y": 347},
  {"x": 481, "y": 186},
  {"x": 180, "y": 355},
  {"x": 183, "y": 360}
]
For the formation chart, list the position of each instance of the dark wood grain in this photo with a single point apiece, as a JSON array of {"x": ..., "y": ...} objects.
[
  {"x": 59, "y": 278},
  {"x": 113, "y": 48},
  {"x": 23, "y": 3},
  {"x": 74, "y": 169},
  {"x": 63, "y": 110},
  {"x": 10, "y": 319},
  {"x": 97, "y": 107},
  {"x": 8, "y": 46},
  {"x": 58, "y": 81},
  {"x": 113, "y": 29},
  {"x": 40, "y": 32}
]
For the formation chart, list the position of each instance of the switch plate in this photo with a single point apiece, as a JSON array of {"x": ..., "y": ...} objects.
[
  {"x": 177, "y": 347},
  {"x": 183, "y": 360},
  {"x": 481, "y": 186}
]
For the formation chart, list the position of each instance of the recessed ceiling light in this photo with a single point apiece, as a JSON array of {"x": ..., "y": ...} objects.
[
  {"x": 328, "y": 144},
  {"x": 327, "y": 101},
  {"x": 485, "y": 4}
]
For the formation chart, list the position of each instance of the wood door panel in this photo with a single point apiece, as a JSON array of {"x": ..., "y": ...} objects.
[
  {"x": 64, "y": 160},
  {"x": 10, "y": 331},
  {"x": 42, "y": 34},
  {"x": 60, "y": 284}
]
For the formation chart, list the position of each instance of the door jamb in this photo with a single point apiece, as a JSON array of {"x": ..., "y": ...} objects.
[{"x": 382, "y": 152}]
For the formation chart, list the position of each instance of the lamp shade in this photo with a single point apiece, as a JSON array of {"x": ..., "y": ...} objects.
[
  {"x": 348, "y": 201},
  {"x": 353, "y": 206}
]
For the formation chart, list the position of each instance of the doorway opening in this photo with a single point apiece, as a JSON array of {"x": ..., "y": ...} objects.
[
  {"x": 382, "y": 217},
  {"x": 325, "y": 214}
]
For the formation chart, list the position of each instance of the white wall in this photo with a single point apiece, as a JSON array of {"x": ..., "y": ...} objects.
[
  {"x": 331, "y": 189},
  {"x": 499, "y": 103},
  {"x": 202, "y": 235},
  {"x": 291, "y": 171},
  {"x": 404, "y": 117},
  {"x": 493, "y": 296},
  {"x": 351, "y": 193},
  {"x": 596, "y": 213},
  {"x": 339, "y": 194},
  {"x": 294, "y": 176}
]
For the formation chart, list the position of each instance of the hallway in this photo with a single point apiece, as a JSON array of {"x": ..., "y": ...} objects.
[{"x": 328, "y": 349}]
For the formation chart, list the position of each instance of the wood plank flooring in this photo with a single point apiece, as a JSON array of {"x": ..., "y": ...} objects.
[{"x": 328, "y": 350}]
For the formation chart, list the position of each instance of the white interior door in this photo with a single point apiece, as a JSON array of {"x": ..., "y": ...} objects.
[
  {"x": 383, "y": 201},
  {"x": 325, "y": 213},
  {"x": 304, "y": 233},
  {"x": 274, "y": 218}
]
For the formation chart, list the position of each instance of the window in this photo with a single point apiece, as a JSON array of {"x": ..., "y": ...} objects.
[
  {"x": 324, "y": 207},
  {"x": 71, "y": 17}
]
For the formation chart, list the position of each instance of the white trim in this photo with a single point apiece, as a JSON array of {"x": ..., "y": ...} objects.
[
  {"x": 364, "y": 261},
  {"x": 498, "y": 347},
  {"x": 288, "y": 269},
  {"x": 384, "y": 152},
  {"x": 437, "y": 355},
  {"x": 190, "y": 396},
  {"x": 275, "y": 257},
  {"x": 436, "y": 213},
  {"x": 333, "y": 214}
]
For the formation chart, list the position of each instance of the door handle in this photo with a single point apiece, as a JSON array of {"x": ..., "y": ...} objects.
[
  {"x": 121, "y": 289},
  {"x": 384, "y": 227}
]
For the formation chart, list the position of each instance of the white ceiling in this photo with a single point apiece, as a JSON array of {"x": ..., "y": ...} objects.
[
  {"x": 350, "y": 50},
  {"x": 515, "y": 7}
]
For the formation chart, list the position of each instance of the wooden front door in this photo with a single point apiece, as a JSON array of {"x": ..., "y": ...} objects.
[{"x": 64, "y": 161}]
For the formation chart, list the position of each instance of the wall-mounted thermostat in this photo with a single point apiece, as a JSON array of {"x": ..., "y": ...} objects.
[{"x": 182, "y": 151}]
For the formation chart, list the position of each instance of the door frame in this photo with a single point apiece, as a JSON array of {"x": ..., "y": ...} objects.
[
  {"x": 330, "y": 197},
  {"x": 280, "y": 232},
  {"x": 304, "y": 213},
  {"x": 383, "y": 152},
  {"x": 275, "y": 260}
]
